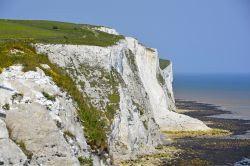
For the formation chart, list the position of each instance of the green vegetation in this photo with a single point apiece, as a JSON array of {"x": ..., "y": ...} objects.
[
  {"x": 94, "y": 124},
  {"x": 151, "y": 49},
  {"x": 108, "y": 80},
  {"x": 164, "y": 63},
  {"x": 18, "y": 34},
  {"x": 48, "y": 96},
  {"x": 85, "y": 161},
  {"x": 140, "y": 108},
  {"x": 93, "y": 83},
  {"x": 113, "y": 97},
  {"x": 195, "y": 162},
  {"x": 28, "y": 153},
  {"x": 160, "y": 78},
  {"x": 17, "y": 96},
  {"x": 6, "y": 106},
  {"x": 54, "y": 32},
  {"x": 163, "y": 154},
  {"x": 69, "y": 134},
  {"x": 21, "y": 144},
  {"x": 54, "y": 27},
  {"x": 131, "y": 60},
  {"x": 200, "y": 133}
]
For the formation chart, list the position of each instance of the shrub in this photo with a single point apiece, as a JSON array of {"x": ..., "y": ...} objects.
[
  {"x": 55, "y": 27},
  {"x": 85, "y": 161},
  {"x": 114, "y": 97},
  {"x": 6, "y": 106},
  {"x": 164, "y": 63},
  {"x": 16, "y": 97},
  {"x": 160, "y": 79},
  {"x": 69, "y": 134},
  {"x": 49, "y": 97},
  {"x": 28, "y": 153}
]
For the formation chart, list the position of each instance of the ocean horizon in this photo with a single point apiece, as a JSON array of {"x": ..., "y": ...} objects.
[{"x": 230, "y": 92}]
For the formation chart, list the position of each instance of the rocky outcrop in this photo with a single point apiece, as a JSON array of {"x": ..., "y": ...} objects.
[
  {"x": 107, "y": 30},
  {"x": 46, "y": 129}
]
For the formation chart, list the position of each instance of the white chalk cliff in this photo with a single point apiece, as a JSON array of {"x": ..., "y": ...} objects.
[{"x": 145, "y": 105}]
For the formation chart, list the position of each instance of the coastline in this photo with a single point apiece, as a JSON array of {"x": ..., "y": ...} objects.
[
  {"x": 222, "y": 150},
  {"x": 205, "y": 150}
]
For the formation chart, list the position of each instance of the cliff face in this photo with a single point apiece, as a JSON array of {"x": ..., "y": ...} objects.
[
  {"x": 124, "y": 82},
  {"x": 145, "y": 96}
]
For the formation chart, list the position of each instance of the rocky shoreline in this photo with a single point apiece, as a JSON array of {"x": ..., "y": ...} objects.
[
  {"x": 220, "y": 149},
  {"x": 224, "y": 150}
]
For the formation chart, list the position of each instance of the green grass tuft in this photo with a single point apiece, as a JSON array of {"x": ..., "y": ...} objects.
[
  {"x": 160, "y": 79},
  {"x": 114, "y": 97},
  {"x": 28, "y": 153},
  {"x": 164, "y": 63},
  {"x": 48, "y": 96},
  {"x": 85, "y": 161},
  {"x": 69, "y": 134},
  {"x": 6, "y": 106}
]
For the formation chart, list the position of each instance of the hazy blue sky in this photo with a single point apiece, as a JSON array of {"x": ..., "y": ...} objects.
[{"x": 204, "y": 36}]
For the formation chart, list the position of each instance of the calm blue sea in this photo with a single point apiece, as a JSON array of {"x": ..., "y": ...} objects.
[{"x": 230, "y": 91}]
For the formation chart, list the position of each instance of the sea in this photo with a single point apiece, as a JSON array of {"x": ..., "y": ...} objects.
[{"x": 230, "y": 92}]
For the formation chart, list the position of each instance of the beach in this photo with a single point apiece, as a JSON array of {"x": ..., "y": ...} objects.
[
  {"x": 229, "y": 92},
  {"x": 216, "y": 150},
  {"x": 228, "y": 145}
]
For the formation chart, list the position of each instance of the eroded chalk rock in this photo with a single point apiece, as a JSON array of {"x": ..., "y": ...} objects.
[
  {"x": 39, "y": 125},
  {"x": 10, "y": 153},
  {"x": 33, "y": 127}
]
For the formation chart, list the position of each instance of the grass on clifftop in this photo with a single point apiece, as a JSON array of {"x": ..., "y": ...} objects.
[
  {"x": 40, "y": 31},
  {"x": 94, "y": 124},
  {"x": 164, "y": 63}
]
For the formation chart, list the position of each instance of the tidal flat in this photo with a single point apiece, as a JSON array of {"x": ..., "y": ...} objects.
[
  {"x": 212, "y": 150},
  {"x": 227, "y": 143}
]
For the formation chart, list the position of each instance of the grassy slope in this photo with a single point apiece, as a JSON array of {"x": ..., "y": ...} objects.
[
  {"x": 54, "y": 32},
  {"x": 164, "y": 63}
]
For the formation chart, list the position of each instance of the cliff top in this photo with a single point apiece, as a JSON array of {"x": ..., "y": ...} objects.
[{"x": 55, "y": 32}]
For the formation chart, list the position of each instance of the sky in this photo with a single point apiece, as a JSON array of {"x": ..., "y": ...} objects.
[{"x": 198, "y": 36}]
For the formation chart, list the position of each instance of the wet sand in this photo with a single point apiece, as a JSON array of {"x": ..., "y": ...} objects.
[{"x": 204, "y": 151}]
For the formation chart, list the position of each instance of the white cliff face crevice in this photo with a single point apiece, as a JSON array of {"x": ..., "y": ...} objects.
[
  {"x": 132, "y": 134},
  {"x": 148, "y": 64},
  {"x": 167, "y": 75},
  {"x": 38, "y": 123}
]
